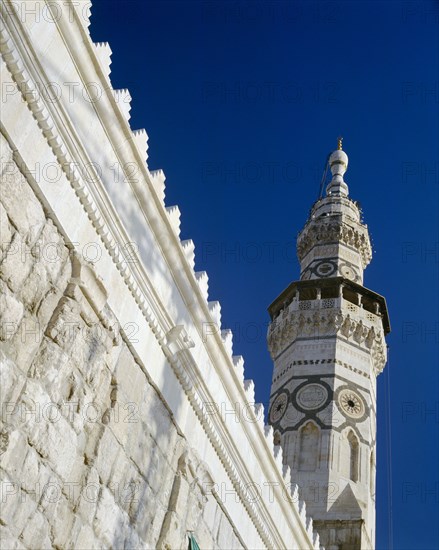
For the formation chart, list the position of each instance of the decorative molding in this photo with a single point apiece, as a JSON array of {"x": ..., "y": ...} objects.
[
  {"x": 294, "y": 324},
  {"x": 321, "y": 232}
]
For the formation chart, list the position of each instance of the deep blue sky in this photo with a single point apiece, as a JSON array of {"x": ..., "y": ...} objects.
[{"x": 242, "y": 101}]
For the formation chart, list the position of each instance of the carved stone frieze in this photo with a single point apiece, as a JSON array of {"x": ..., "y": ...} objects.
[
  {"x": 291, "y": 325},
  {"x": 321, "y": 232}
]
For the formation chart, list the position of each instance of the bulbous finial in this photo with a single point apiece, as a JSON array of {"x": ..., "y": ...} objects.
[{"x": 338, "y": 163}]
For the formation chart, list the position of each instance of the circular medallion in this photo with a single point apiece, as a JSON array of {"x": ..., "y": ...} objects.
[
  {"x": 351, "y": 403},
  {"x": 325, "y": 269},
  {"x": 312, "y": 396},
  {"x": 278, "y": 408},
  {"x": 348, "y": 272}
]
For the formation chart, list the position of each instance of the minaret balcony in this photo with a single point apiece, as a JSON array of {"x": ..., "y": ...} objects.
[{"x": 332, "y": 293}]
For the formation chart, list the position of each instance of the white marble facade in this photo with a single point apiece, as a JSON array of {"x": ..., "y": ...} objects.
[{"x": 114, "y": 364}]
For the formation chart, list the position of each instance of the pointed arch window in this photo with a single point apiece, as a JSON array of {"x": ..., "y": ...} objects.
[
  {"x": 309, "y": 438},
  {"x": 354, "y": 452}
]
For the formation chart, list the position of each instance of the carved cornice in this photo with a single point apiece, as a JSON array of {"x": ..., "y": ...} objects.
[
  {"x": 318, "y": 232},
  {"x": 291, "y": 325}
]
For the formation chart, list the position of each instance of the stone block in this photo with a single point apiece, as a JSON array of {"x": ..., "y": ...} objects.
[
  {"x": 51, "y": 367},
  {"x": 25, "y": 343},
  {"x": 65, "y": 274},
  {"x": 36, "y": 532},
  {"x": 90, "y": 353},
  {"x": 13, "y": 458},
  {"x": 12, "y": 381},
  {"x": 142, "y": 515},
  {"x": 17, "y": 505},
  {"x": 93, "y": 288},
  {"x": 130, "y": 378},
  {"x": 152, "y": 464},
  {"x": 8, "y": 540},
  {"x": 6, "y": 231},
  {"x": 35, "y": 474},
  {"x": 173, "y": 533},
  {"x": 20, "y": 202},
  {"x": 11, "y": 313},
  {"x": 61, "y": 521},
  {"x": 132, "y": 540},
  {"x": 106, "y": 455},
  {"x": 110, "y": 523},
  {"x": 124, "y": 421},
  {"x": 47, "y": 306},
  {"x": 35, "y": 287},
  {"x": 86, "y": 539},
  {"x": 17, "y": 263},
  {"x": 65, "y": 324},
  {"x": 47, "y": 430},
  {"x": 124, "y": 480},
  {"x": 158, "y": 421},
  {"x": 50, "y": 251},
  {"x": 155, "y": 526},
  {"x": 89, "y": 493}
]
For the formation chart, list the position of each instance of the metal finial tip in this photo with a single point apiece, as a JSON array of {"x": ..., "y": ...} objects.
[{"x": 340, "y": 143}]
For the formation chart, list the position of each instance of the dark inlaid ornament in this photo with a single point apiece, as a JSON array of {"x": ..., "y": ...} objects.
[{"x": 278, "y": 407}]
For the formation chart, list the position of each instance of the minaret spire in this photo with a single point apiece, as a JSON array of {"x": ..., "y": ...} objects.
[{"x": 338, "y": 163}]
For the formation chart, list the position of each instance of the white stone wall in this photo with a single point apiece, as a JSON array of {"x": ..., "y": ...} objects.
[
  {"x": 115, "y": 367},
  {"x": 90, "y": 453}
]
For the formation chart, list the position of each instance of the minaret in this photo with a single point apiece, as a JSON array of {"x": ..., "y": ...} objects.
[{"x": 326, "y": 339}]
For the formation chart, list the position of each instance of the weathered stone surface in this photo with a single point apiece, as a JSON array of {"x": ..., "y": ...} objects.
[
  {"x": 6, "y": 231},
  {"x": 11, "y": 313},
  {"x": 9, "y": 540},
  {"x": 36, "y": 531},
  {"x": 17, "y": 505},
  {"x": 50, "y": 251},
  {"x": 47, "y": 430},
  {"x": 19, "y": 201},
  {"x": 12, "y": 381},
  {"x": 17, "y": 263},
  {"x": 25, "y": 343},
  {"x": 34, "y": 287},
  {"x": 110, "y": 522},
  {"x": 86, "y": 539}
]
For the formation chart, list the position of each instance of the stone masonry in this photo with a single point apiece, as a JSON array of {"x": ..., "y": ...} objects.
[
  {"x": 115, "y": 368},
  {"x": 87, "y": 443}
]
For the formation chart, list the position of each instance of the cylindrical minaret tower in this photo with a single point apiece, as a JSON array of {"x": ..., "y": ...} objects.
[{"x": 326, "y": 339}]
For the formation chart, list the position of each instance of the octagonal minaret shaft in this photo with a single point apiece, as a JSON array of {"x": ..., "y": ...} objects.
[
  {"x": 334, "y": 242},
  {"x": 326, "y": 339}
]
